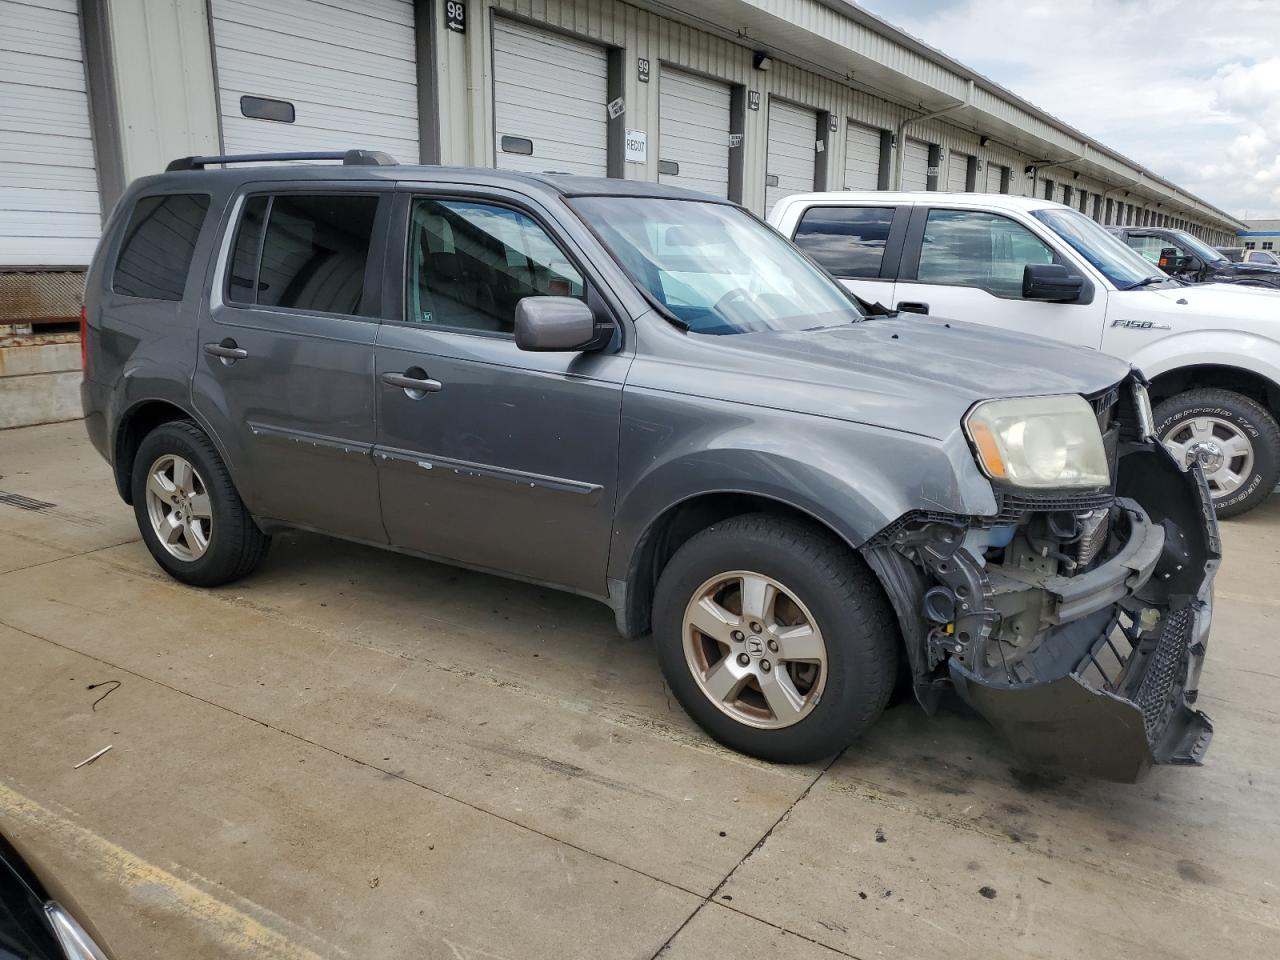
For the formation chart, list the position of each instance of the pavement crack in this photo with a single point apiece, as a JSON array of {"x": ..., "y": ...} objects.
[
  {"x": 69, "y": 556},
  {"x": 703, "y": 899},
  {"x": 764, "y": 838}
]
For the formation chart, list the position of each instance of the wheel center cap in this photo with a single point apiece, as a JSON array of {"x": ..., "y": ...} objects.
[
  {"x": 755, "y": 647},
  {"x": 1208, "y": 453}
]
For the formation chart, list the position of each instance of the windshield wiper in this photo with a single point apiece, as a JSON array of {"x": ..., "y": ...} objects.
[
  {"x": 663, "y": 310},
  {"x": 876, "y": 309},
  {"x": 1145, "y": 283}
]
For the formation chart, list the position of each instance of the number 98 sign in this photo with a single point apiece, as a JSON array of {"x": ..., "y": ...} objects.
[{"x": 455, "y": 16}]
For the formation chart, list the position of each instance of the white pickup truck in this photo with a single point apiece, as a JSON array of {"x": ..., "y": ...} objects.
[{"x": 1211, "y": 351}]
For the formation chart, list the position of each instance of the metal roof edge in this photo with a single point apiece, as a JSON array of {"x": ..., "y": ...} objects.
[{"x": 876, "y": 23}]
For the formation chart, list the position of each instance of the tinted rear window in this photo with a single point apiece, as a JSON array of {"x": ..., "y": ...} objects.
[
  {"x": 313, "y": 257},
  {"x": 848, "y": 241},
  {"x": 158, "y": 245}
]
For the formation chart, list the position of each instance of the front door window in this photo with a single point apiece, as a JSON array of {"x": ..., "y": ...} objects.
[
  {"x": 1150, "y": 246},
  {"x": 471, "y": 263},
  {"x": 975, "y": 249}
]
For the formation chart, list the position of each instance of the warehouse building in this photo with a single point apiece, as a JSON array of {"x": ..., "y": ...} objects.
[
  {"x": 1260, "y": 235},
  {"x": 746, "y": 99}
]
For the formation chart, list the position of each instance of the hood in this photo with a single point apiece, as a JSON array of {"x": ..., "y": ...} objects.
[
  {"x": 1247, "y": 269},
  {"x": 1226, "y": 301},
  {"x": 917, "y": 374}
]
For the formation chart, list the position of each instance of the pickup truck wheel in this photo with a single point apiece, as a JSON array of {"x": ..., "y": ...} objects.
[
  {"x": 190, "y": 515},
  {"x": 775, "y": 638},
  {"x": 1235, "y": 439}
]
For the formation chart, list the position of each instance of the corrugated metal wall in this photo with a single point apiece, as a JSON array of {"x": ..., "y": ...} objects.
[
  {"x": 167, "y": 105},
  {"x": 465, "y": 76},
  {"x": 466, "y": 64},
  {"x": 465, "y": 69}
]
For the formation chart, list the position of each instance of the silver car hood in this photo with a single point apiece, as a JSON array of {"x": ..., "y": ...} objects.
[{"x": 917, "y": 374}]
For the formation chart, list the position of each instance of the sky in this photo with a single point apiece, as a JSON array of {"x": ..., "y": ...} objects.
[{"x": 1189, "y": 90}]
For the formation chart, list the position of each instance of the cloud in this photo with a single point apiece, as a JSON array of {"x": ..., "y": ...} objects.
[
  {"x": 1253, "y": 91},
  {"x": 1190, "y": 92}
]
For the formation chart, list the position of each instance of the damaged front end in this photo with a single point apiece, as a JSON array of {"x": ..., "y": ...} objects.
[{"x": 1074, "y": 621}]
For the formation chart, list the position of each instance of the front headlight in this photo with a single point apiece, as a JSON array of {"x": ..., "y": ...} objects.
[{"x": 1039, "y": 442}]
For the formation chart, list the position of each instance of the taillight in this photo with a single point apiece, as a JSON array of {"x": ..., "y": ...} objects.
[{"x": 84, "y": 340}]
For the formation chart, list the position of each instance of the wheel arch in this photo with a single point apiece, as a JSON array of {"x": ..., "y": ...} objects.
[
  {"x": 1221, "y": 376},
  {"x": 135, "y": 423},
  {"x": 673, "y": 527}
]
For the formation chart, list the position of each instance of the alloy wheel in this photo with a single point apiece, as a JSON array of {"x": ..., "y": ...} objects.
[
  {"x": 754, "y": 649},
  {"x": 179, "y": 508}
]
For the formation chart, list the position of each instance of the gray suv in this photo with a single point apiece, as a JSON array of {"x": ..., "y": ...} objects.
[{"x": 648, "y": 397}]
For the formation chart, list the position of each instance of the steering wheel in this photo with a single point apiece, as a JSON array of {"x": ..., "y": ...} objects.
[{"x": 736, "y": 295}]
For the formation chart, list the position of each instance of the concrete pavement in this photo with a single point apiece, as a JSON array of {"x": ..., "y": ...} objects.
[{"x": 358, "y": 754}]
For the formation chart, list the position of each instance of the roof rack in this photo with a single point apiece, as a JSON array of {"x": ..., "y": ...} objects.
[{"x": 349, "y": 158}]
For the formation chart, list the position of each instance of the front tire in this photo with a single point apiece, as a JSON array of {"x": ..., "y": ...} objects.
[
  {"x": 1236, "y": 440},
  {"x": 188, "y": 511},
  {"x": 775, "y": 637}
]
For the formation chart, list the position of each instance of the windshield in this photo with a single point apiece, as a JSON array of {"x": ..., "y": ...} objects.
[
  {"x": 1119, "y": 262},
  {"x": 1199, "y": 247},
  {"x": 715, "y": 268}
]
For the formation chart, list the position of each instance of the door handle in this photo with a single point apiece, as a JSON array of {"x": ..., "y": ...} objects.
[
  {"x": 226, "y": 351},
  {"x": 414, "y": 381},
  {"x": 912, "y": 306}
]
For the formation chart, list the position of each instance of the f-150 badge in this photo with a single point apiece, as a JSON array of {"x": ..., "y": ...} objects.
[{"x": 1140, "y": 325}]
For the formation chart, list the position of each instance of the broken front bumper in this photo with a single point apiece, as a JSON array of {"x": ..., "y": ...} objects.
[{"x": 1112, "y": 687}]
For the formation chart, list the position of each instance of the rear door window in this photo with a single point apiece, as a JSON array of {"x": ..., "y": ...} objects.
[
  {"x": 848, "y": 241},
  {"x": 304, "y": 252},
  {"x": 159, "y": 243}
]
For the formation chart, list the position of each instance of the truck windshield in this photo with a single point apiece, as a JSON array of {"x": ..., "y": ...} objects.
[
  {"x": 1199, "y": 248},
  {"x": 713, "y": 268},
  {"x": 1118, "y": 261}
]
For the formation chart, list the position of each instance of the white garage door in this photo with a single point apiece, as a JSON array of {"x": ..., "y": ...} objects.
[
  {"x": 791, "y": 163},
  {"x": 915, "y": 167},
  {"x": 48, "y": 188},
  {"x": 1018, "y": 182},
  {"x": 995, "y": 174},
  {"x": 861, "y": 157},
  {"x": 693, "y": 137},
  {"x": 550, "y": 97},
  {"x": 957, "y": 171},
  {"x": 347, "y": 67}
]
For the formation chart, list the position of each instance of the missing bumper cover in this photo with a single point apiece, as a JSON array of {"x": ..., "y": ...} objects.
[{"x": 1089, "y": 666}]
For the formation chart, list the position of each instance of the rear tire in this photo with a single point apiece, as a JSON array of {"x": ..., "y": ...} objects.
[
  {"x": 831, "y": 690},
  {"x": 1215, "y": 424},
  {"x": 190, "y": 515}
]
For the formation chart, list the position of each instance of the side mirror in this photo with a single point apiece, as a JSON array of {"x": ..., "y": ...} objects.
[
  {"x": 546, "y": 324},
  {"x": 1173, "y": 262},
  {"x": 1050, "y": 282}
]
